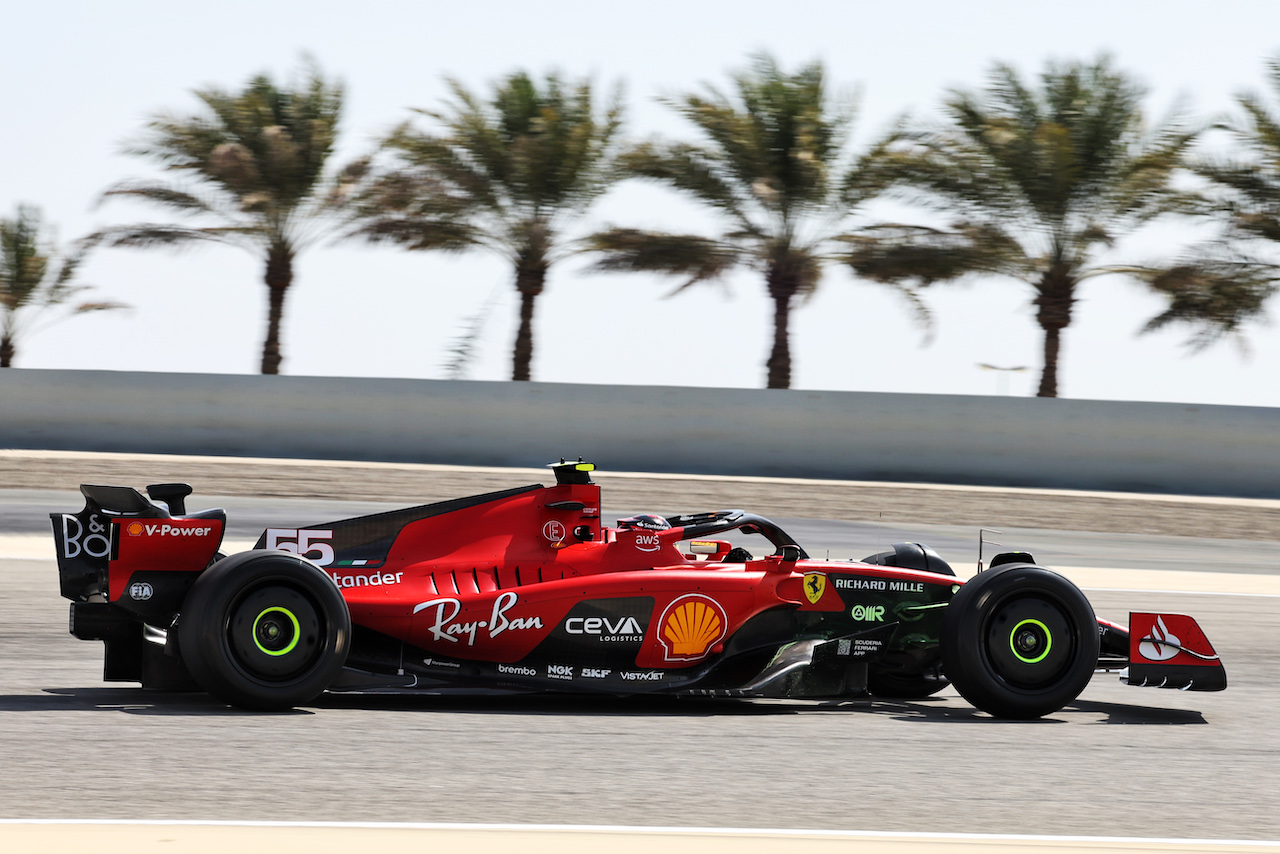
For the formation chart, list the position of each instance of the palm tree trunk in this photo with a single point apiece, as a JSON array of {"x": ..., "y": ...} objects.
[
  {"x": 784, "y": 280},
  {"x": 1049, "y": 375},
  {"x": 522, "y": 359},
  {"x": 279, "y": 277},
  {"x": 7, "y": 351},
  {"x": 779, "y": 363},
  {"x": 1057, "y": 295},
  {"x": 531, "y": 278}
]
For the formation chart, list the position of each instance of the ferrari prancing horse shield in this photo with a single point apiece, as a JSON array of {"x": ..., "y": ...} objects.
[{"x": 815, "y": 584}]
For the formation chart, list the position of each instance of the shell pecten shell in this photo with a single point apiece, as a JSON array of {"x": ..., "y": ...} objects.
[{"x": 691, "y": 626}]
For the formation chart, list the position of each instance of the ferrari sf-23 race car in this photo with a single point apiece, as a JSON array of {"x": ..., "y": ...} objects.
[{"x": 526, "y": 590}]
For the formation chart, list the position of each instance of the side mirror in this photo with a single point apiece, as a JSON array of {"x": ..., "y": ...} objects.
[{"x": 709, "y": 547}]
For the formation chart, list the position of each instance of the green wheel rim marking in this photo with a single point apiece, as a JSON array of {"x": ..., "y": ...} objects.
[
  {"x": 297, "y": 630},
  {"x": 1048, "y": 642}
]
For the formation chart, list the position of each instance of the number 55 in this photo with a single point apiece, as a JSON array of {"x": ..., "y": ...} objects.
[{"x": 303, "y": 543}]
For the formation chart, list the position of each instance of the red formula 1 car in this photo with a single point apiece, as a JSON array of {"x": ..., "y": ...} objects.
[{"x": 525, "y": 590}]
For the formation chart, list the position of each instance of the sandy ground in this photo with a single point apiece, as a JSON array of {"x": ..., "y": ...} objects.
[
  {"x": 215, "y": 839},
  {"x": 1122, "y": 513}
]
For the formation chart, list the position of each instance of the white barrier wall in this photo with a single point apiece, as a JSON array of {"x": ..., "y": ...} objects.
[{"x": 1082, "y": 444}]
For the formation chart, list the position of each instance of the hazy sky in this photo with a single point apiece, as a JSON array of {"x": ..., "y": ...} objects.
[{"x": 78, "y": 79}]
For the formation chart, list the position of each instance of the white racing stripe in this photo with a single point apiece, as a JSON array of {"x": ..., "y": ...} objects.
[
  {"x": 111, "y": 836},
  {"x": 1120, "y": 579},
  {"x": 26, "y": 547}
]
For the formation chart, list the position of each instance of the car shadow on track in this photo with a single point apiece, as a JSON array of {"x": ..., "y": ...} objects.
[
  {"x": 128, "y": 700},
  {"x": 1121, "y": 713},
  {"x": 931, "y": 710}
]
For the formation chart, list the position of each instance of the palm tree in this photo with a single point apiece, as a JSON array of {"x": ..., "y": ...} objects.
[
  {"x": 1038, "y": 184},
  {"x": 252, "y": 169},
  {"x": 1249, "y": 199},
  {"x": 509, "y": 175},
  {"x": 34, "y": 278},
  {"x": 773, "y": 169}
]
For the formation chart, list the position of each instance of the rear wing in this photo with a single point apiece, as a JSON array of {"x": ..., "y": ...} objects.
[
  {"x": 137, "y": 551},
  {"x": 85, "y": 541}
]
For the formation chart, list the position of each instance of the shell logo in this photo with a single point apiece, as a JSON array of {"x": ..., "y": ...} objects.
[
  {"x": 135, "y": 529},
  {"x": 691, "y": 625}
]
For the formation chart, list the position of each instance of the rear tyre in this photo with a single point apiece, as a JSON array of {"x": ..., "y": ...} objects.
[
  {"x": 264, "y": 630},
  {"x": 1019, "y": 641}
]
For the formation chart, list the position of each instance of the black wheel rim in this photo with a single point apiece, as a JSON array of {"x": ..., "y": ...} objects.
[
  {"x": 1029, "y": 641},
  {"x": 275, "y": 633}
]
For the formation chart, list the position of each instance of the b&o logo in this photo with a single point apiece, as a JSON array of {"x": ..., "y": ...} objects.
[{"x": 75, "y": 539}]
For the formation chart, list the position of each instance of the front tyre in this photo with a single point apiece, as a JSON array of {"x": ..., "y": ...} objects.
[
  {"x": 264, "y": 630},
  {"x": 1019, "y": 641}
]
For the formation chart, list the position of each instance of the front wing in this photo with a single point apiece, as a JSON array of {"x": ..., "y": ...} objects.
[{"x": 1171, "y": 651}]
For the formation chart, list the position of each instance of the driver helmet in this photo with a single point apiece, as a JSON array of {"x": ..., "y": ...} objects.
[{"x": 649, "y": 521}]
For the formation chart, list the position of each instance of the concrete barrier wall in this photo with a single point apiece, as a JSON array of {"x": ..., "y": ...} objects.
[{"x": 1081, "y": 444}]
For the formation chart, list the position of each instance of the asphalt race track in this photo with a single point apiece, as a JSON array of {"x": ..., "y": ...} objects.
[{"x": 1119, "y": 762}]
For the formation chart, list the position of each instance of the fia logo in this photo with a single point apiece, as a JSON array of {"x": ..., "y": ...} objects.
[{"x": 141, "y": 591}]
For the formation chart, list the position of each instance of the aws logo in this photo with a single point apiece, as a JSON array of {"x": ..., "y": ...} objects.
[
  {"x": 691, "y": 625},
  {"x": 647, "y": 542}
]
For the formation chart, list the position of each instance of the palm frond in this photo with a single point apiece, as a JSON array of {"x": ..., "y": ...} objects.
[
  {"x": 36, "y": 277},
  {"x": 906, "y": 253},
  {"x": 176, "y": 198},
  {"x": 1213, "y": 290},
  {"x": 148, "y": 235},
  {"x": 450, "y": 235},
  {"x": 947, "y": 174},
  {"x": 695, "y": 258},
  {"x": 254, "y": 159},
  {"x": 690, "y": 169},
  {"x": 452, "y": 168},
  {"x": 536, "y": 153},
  {"x": 100, "y": 305}
]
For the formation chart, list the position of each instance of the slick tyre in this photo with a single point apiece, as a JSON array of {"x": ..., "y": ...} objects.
[
  {"x": 264, "y": 630},
  {"x": 1019, "y": 641}
]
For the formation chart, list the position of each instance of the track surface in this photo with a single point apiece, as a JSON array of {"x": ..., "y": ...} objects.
[{"x": 1118, "y": 762}]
